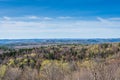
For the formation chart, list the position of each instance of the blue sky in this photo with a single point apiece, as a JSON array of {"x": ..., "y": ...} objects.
[{"x": 59, "y": 19}]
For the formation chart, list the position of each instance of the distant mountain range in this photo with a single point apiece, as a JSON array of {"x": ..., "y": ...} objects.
[{"x": 55, "y": 41}]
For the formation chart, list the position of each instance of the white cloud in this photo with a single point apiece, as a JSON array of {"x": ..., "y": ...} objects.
[
  {"x": 102, "y": 20},
  {"x": 47, "y": 18},
  {"x": 65, "y": 17},
  {"x": 23, "y": 18},
  {"x": 116, "y": 19},
  {"x": 46, "y": 25},
  {"x": 6, "y": 18},
  {"x": 44, "y": 22},
  {"x": 33, "y": 17},
  {"x": 108, "y": 22}
]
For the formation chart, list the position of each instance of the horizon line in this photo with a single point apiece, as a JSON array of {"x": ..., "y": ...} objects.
[{"x": 51, "y": 38}]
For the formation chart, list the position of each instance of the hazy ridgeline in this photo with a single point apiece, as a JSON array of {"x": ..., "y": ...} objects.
[{"x": 61, "y": 62}]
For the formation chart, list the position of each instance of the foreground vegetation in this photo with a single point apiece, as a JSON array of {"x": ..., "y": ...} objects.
[{"x": 61, "y": 62}]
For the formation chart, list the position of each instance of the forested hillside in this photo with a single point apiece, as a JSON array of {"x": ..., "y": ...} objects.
[
  {"x": 20, "y": 42},
  {"x": 61, "y": 62}
]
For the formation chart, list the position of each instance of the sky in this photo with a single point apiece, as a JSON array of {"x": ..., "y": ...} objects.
[{"x": 41, "y": 19}]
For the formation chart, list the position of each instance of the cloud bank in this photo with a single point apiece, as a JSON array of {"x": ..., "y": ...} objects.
[{"x": 58, "y": 27}]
